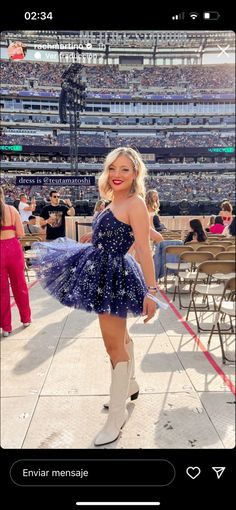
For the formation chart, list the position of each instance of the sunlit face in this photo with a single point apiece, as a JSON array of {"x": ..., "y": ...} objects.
[
  {"x": 155, "y": 197},
  {"x": 101, "y": 207},
  {"x": 55, "y": 199},
  {"x": 121, "y": 174}
]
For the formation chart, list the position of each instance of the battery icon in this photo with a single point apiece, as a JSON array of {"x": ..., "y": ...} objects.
[{"x": 213, "y": 15}]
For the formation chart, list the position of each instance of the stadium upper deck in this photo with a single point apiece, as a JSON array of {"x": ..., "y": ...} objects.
[
  {"x": 202, "y": 41},
  {"x": 191, "y": 79},
  {"x": 152, "y": 90}
]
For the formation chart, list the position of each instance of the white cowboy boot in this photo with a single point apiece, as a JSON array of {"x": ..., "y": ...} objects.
[
  {"x": 117, "y": 410},
  {"x": 133, "y": 390}
]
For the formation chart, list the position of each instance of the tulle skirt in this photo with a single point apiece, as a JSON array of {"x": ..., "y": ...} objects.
[{"x": 86, "y": 277}]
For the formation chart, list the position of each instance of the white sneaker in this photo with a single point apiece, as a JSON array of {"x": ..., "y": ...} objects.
[
  {"x": 26, "y": 324},
  {"x": 5, "y": 333}
]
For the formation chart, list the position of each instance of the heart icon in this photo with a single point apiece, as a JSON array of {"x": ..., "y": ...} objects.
[{"x": 193, "y": 472}]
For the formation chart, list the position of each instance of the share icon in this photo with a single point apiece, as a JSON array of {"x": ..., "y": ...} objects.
[{"x": 219, "y": 471}]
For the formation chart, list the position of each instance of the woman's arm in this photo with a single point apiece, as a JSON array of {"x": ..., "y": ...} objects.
[
  {"x": 139, "y": 221},
  {"x": 151, "y": 219},
  {"x": 155, "y": 236},
  {"x": 86, "y": 238},
  {"x": 131, "y": 250},
  {"x": 18, "y": 224}
]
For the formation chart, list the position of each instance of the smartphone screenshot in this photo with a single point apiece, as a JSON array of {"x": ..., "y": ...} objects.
[{"x": 117, "y": 239}]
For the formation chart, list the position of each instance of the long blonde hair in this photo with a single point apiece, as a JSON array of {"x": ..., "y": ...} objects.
[
  {"x": 150, "y": 202},
  {"x": 98, "y": 204},
  {"x": 139, "y": 167}
]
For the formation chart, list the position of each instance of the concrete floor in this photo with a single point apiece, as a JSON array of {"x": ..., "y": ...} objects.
[{"x": 56, "y": 377}]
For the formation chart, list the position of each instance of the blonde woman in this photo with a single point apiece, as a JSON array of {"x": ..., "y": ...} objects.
[
  {"x": 99, "y": 207},
  {"x": 101, "y": 277},
  {"x": 153, "y": 207}
]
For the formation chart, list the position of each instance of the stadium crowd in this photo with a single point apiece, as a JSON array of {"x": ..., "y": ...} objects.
[
  {"x": 193, "y": 186},
  {"x": 106, "y": 77},
  {"x": 161, "y": 139}
]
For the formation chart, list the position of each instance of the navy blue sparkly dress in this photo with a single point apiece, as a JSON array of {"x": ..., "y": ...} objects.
[{"x": 99, "y": 277}]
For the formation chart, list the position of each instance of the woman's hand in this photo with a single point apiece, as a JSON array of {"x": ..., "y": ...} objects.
[
  {"x": 149, "y": 308},
  {"x": 86, "y": 238}
]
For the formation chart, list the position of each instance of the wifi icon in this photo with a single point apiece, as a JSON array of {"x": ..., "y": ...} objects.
[{"x": 193, "y": 15}]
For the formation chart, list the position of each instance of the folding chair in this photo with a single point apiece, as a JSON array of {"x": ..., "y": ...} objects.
[
  {"x": 173, "y": 253},
  {"x": 227, "y": 306},
  {"x": 225, "y": 244},
  {"x": 215, "y": 236},
  {"x": 171, "y": 235},
  {"x": 225, "y": 255},
  {"x": 218, "y": 270},
  {"x": 32, "y": 237},
  {"x": 26, "y": 243},
  {"x": 193, "y": 258},
  {"x": 196, "y": 245},
  {"x": 214, "y": 249},
  {"x": 230, "y": 248}
]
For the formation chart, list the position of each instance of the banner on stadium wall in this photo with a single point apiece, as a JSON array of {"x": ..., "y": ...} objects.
[{"x": 55, "y": 180}]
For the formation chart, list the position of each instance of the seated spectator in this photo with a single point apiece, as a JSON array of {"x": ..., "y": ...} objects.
[
  {"x": 226, "y": 212},
  {"x": 31, "y": 228},
  {"x": 211, "y": 223},
  {"x": 229, "y": 231},
  {"x": 197, "y": 233},
  {"x": 218, "y": 226}
]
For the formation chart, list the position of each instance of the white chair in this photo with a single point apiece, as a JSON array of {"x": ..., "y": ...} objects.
[
  {"x": 187, "y": 277},
  {"x": 215, "y": 270}
]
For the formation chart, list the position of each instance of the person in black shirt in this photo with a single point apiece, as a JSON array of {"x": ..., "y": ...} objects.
[{"x": 53, "y": 216}]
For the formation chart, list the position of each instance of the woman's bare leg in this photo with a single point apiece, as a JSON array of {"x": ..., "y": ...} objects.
[{"x": 114, "y": 335}]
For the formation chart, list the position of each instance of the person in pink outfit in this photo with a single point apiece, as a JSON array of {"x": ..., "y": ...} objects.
[
  {"x": 12, "y": 267},
  {"x": 218, "y": 226}
]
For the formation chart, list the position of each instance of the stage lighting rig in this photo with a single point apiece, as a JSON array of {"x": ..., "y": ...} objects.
[{"x": 72, "y": 101}]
